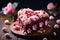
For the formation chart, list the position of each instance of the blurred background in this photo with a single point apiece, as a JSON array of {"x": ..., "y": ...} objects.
[{"x": 33, "y": 4}]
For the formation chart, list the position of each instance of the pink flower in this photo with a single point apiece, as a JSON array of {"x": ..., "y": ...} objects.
[
  {"x": 44, "y": 39},
  {"x": 58, "y": 21},
  {"x": 9, "y": 9},
  {"x": 56, "y": 26},
  {"x": 50, "y": 6},
  {"x": 34, "y": 27},
  {"x": 51, "y": 18},
  {"x": 29, "y": 30}
]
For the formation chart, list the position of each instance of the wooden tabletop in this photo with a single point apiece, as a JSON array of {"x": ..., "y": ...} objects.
[{"x": 17, "y": 37}]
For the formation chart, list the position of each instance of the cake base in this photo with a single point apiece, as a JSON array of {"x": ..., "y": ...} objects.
[{"x": 18, "y": 32}]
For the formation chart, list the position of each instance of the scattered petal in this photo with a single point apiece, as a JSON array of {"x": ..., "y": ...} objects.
[
  {"x": 7, "y": 35},
  {"x": 4, "y": 29},
  {"x": 51, "y": 18},
  {"x": 56, "y": 26},
  {"x": 54, "y": 33},
  {"x": 7, "y": 22},
  {"x": 58, "y": 21},
  {"x": 44, "y": 39}
]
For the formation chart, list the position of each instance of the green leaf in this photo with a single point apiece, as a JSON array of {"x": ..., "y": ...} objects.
[
  {"x": 54, "y": 13},
  {"x": 15, "y": 4},
  {"x": 50, "y": 12},
  {"x": 11, "y": 19}
]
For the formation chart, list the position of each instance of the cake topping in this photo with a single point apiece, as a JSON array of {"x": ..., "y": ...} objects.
[
  {"x": 41, "y": 24},
  {"x": 32, "y": 20},
  {"x": 34, "y": 27},
  {"x": 46, "y": 22},
  {"x": 42, "y": 30},
  {"x": 29, "y": 30},
  {"x": 16, "y": 27},
  {"x": 27, "y": 15}
]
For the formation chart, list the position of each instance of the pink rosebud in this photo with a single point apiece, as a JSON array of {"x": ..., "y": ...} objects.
[
  {"x": 7, "y": 35},
  {"x": 51, "y": 18},
  {"x": 41, "y": 24},
  {"x": 50, "y": 6},
  {"x": 46, "y": 22},
  {"x": 56, "y": 26},
  {"x": 44, "y": 39},
  {"x": 58, "y": 21},
  {"x": 5, "y": 30},
  {"x": 34, "y": 27},
  {"x": 42, "y": 30},
  {"x": 9, "y": 9},
  {"x": 7, "y": 22},
  {"x": 29, "y": 30},
  {"x": 54, "y": 33}
]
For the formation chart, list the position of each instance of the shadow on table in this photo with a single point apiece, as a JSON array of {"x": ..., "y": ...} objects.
[{"x": 34, "y": 37}]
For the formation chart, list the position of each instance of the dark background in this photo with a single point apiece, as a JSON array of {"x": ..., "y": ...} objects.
[{"x": 33, "y": 4}]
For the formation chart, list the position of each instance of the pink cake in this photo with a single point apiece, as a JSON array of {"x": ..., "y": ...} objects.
[{"x": 32, "y": 21}]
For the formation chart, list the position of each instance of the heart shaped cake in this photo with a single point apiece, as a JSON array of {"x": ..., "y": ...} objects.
[{"x": 31, "y": 21}]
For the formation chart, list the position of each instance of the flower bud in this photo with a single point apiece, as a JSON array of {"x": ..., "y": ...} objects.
[
  {"x": 9, "y": 9},
  {"x": 50, "y": 6}
]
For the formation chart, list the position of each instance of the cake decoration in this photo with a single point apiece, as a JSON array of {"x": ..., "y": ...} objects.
[{"x": 32, "y": 21}]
